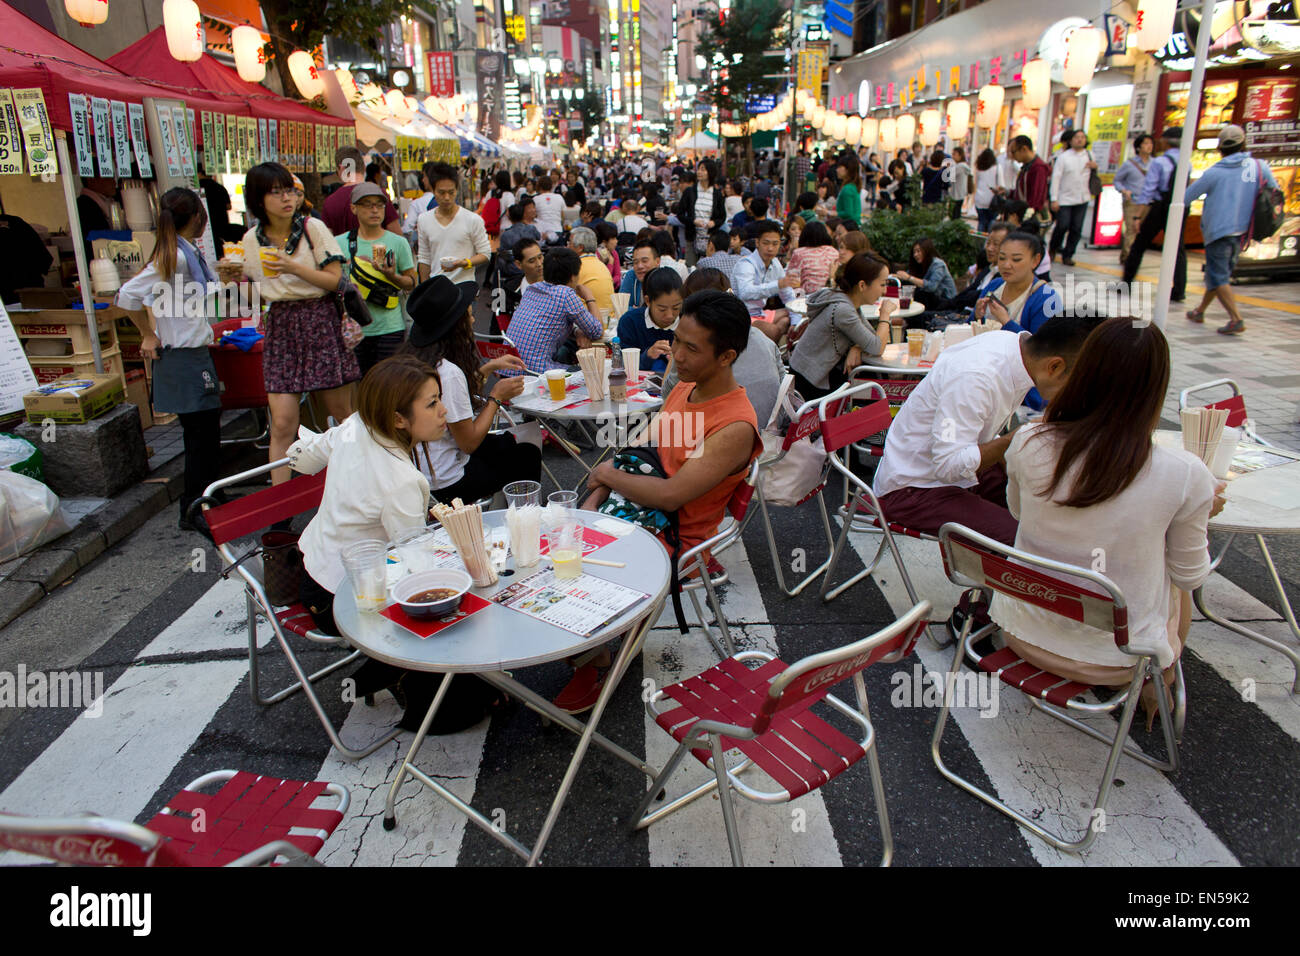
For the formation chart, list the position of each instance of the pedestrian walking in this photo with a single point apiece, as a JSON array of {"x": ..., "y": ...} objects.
[
  {"x": 1128, "y": 180},
  {"x": 1070, "y": 196},
  {"x": 1153, "y": 207}
]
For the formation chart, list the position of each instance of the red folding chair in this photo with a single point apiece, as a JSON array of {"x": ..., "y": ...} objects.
[
  {"x": 1235, "y": 404},
  {"x": 807, "y": 422},
  {"x": 985, "y": 565},
  {"x": 495, "y": 346},
  {"x": 250, "y": 514},
  {"x": 250, "y": 821},
  {"x": 698, "y": 568},
  {"x": 766, "y": 713}
]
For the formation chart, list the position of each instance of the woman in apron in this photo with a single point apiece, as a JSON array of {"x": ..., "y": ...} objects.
[{"x": 173, "y": 286}]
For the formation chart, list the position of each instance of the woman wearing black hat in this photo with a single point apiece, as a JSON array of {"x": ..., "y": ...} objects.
[{"x": 467, "y": 462}]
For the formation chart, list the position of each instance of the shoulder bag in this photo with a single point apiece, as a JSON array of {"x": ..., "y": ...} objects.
[
  {"x": 797, "y": 467},
  {"x": 347, "y": 302},
  {"x": 1265, "y": 218}
]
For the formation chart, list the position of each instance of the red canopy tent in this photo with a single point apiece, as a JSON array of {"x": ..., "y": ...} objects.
[
  {"x": 31, "y": 56},
  {"x": 149, "y": 59}
]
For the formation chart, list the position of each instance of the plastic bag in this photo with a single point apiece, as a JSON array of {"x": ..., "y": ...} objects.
[
  {"x": 30, "y": 515},
  {"x": 19, "y": 455}
]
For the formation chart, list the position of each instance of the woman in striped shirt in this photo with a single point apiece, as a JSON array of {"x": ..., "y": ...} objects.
[{"x": 815, "y": 258}]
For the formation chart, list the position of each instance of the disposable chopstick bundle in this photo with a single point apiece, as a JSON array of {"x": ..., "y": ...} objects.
[
  {"x": 464, "y": 524},
  {"x": 1202, "y": 431},
  {"x": 592, "y": 362}
]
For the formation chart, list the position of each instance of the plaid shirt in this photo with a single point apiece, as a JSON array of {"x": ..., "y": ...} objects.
[
  {"x": 724, "y": 262},
  {"x": 546, "y": 317}
]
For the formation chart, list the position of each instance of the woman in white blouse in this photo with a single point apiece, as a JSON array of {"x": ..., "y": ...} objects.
[
  {"x": 1089, "y": 488},
  {"x": 177, "y": 339}
]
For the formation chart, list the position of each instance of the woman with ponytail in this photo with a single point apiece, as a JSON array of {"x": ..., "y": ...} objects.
[{"x": 175, "y": 333}]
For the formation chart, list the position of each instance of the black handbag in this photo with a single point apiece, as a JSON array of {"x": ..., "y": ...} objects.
[
  {"x": 282, "y": 568},
  {"x": 347, "y": 300},
  {"x": 1094, "y": 184}
]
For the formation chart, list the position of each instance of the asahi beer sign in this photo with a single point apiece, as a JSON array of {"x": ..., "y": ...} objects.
[{"x": 491, "y": 77}]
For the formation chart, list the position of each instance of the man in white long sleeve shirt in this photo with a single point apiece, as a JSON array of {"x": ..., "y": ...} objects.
[
  {"x": 1070, "y": 196},
  {"x": 943, "y": 454},
  {"x": 453, "y": 240},
  {"x": 759, "y": 276}
]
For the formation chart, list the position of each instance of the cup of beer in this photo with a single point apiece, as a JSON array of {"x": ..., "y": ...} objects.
[
  {"x": 915, "y": 342},
  {"x": 555, "y": 383}
]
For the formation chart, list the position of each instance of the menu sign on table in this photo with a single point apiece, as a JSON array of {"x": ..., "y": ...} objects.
[
  {"x": 79, "y": 109},
  {"x": 135, "y": 112},
  {"x": 581, "y": 605},
  {"x": 11, "y": 138}
]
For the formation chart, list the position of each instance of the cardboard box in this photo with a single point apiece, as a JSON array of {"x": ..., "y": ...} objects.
[
  {"x": 137, "y": 393},
  {"x": 54, "y": 367},
  {"x": 74, "y": 400}
]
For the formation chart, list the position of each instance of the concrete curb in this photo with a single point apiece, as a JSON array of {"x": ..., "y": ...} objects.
[{"x": 49, "y": 567}]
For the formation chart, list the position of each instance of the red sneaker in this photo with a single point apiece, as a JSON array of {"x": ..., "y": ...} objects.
[{"x": 582, "y": 691}]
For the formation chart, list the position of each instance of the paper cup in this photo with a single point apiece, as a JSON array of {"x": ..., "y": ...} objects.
[
  {"x": 632, "y": 363},
  {"x": 1226, "y": 451}
]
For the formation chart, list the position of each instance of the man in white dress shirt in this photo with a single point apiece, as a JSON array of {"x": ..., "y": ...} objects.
[
  {"x": 1070, "y": 196},
  {"x": 760, "y": 275},
  {"x": 943, "y": 453},
  {"x": 453, "y": 240}
]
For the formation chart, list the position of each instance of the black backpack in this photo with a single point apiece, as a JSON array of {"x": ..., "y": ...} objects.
[{"x": 1266, "y": 217}]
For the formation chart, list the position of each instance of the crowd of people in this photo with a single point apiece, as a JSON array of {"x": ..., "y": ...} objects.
[{"x": 709, "y": 275}]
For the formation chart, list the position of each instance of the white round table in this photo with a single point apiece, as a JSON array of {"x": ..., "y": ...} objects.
[
  {"x": 1262, "y": 502},
  {"x": 498, "y": 638}
]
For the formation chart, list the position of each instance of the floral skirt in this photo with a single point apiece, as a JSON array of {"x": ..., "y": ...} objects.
[{"x": 304, "y": 349}]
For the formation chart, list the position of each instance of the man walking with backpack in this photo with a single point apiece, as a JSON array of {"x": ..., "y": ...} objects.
[
  {"x": 1153, "y": 206},
  {"x": 1230, "y": 188}
]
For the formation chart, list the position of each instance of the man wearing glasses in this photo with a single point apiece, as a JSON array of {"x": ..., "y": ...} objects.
[{"x": 760, "y": 278}]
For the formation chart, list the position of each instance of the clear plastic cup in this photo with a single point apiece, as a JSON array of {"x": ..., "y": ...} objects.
[
  {"x": 415, "y": 548},
  {"x": 915, "y": 342},
  {"x": 525, "y": 526},
  {"x": 366, "y": 563},
  {"x": 563, "y": 499},
  {"x": 522, "y": 493},
  {"x": 556, "y": 384},
  {"x": 565, "y": 544}
]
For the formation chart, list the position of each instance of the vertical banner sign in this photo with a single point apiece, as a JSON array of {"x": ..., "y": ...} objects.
[
  {"x": 273, "y": 140},
  {"x": 183, "y": 142},
  {"x": 219, "y": 142},
  {"x": 1108, "y": 128},
  {"x": 263, "y": 149},
  {"x": 250, "y": 134},
  {"x": 209, "y": 147},
  {"x": 121, "y": 139},
  {"x": 810, "y": 66},
  {"x": 491, "y": 92},
  {"x": 135, "y": 114},
  {"x": 81, "y": 134},
  {"x": 442, "y": 74},
  {"x": 320, "y": 148},
  {"x": 38, "y": 135},
  {"x": 232, "y": 148},
  {"x": 171, "y": 151},
  {"x": 103, "y": 136},
  {"x": 295, "y": 146},
  {"x": 194, "y": 140},
  {"x": 11, "y": 139}
]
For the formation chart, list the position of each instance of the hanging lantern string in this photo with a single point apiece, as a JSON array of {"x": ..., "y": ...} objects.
[{"x": 43, "y": 58}]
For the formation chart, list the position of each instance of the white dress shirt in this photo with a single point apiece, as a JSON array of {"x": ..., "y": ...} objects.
[
  {"x": 963, "y": 403},
  {"x": 1070, "y": 178},
  {"x": 372, "y": 490},
  {"x": 755, "y": 283},
  {"x": 1150, "y": 536},
  {"x": 466, "y": 236}
]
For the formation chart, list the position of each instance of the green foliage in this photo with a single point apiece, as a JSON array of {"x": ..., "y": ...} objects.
[
  {"x": 592, "y": 107},
  {"x": 751, "y": 27},
  {"x": 892, "y": 233}
]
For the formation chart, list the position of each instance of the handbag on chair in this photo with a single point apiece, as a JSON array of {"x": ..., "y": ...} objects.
[{"x": 793, "y": 478}]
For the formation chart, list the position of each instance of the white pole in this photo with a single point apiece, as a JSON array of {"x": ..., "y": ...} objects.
[
  {"x": 78, "y": 248},
  {"x": 1174, "y": 224}
]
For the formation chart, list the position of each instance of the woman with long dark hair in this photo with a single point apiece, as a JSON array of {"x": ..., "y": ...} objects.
[
  {"x": 848, "y": 201},
  {"x": 1087, "y": 483},
  {"x": 932, "y": 184},
  {"x": 815, "y": 260},
  {"x": 177, "y": 340},
  {"x": 467, "y": 461},
  {"x": 702, "y": 209},
  {"x": 930, "y": 274},
  {"x": 988, "y": 185},
  {"x": 296, "y": 264}
]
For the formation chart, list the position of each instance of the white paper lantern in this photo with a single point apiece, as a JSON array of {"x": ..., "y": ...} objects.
[
  {"x": 250, "y": 58},
  {"x": 958, "y": 118},
  {"x": 816, "y": 115},
  {"x": 1036, "y": 83},
  {"x": 989, "y": 107},
  {"x": 870, "y": 131},
  {"x": 1155, "y": 23},
  {"x": 183, "y": 25},
  {"x": 302, "y": 67},
  {"x": 888, "y": 135},
  {"x": 853, "y": 133},
  {"x": 905, "y": 131},
  {"x": 348, "y": 83},
  {"x": 395, "y": 103},
  {"x": 87, "y": 12},
  {"x": 928, "y": 128},
  {"x": 1082, "y": 49},
  {"x": 828, "y": 122}
]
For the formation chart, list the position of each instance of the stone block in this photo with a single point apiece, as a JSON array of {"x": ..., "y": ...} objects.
[
  {"x": 48, "y": 568},
  {"x": 97, "y": 459}
]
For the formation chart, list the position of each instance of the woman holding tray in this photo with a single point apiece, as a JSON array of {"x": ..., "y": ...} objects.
[{"x": 373, "y": 491}]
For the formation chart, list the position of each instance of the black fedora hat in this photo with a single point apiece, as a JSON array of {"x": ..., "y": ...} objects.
[{"x": 436, "y": 305}]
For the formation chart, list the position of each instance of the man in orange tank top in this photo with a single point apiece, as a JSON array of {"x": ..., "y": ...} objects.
[{"x": 707, "y": 437}]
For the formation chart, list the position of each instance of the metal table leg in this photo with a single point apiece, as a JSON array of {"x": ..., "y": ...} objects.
[{"x": 1198, "y": 596}]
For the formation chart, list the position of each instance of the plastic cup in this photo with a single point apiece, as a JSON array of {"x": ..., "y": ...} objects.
[
  {"x": 415, "y": 546},
  {"x": 525, "y": 524},
  {"x": 269, "y": 260},
  {"x": 562, "y": 499},
  {"x": 555, "y": 384},
  {"x": 565, "y": 543},
  {"x": 905, "y": 296},
  {"x": 366, "y": 563},
  {"x": 915, "y": 342},
  {"x": 520, "y": 494}
]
